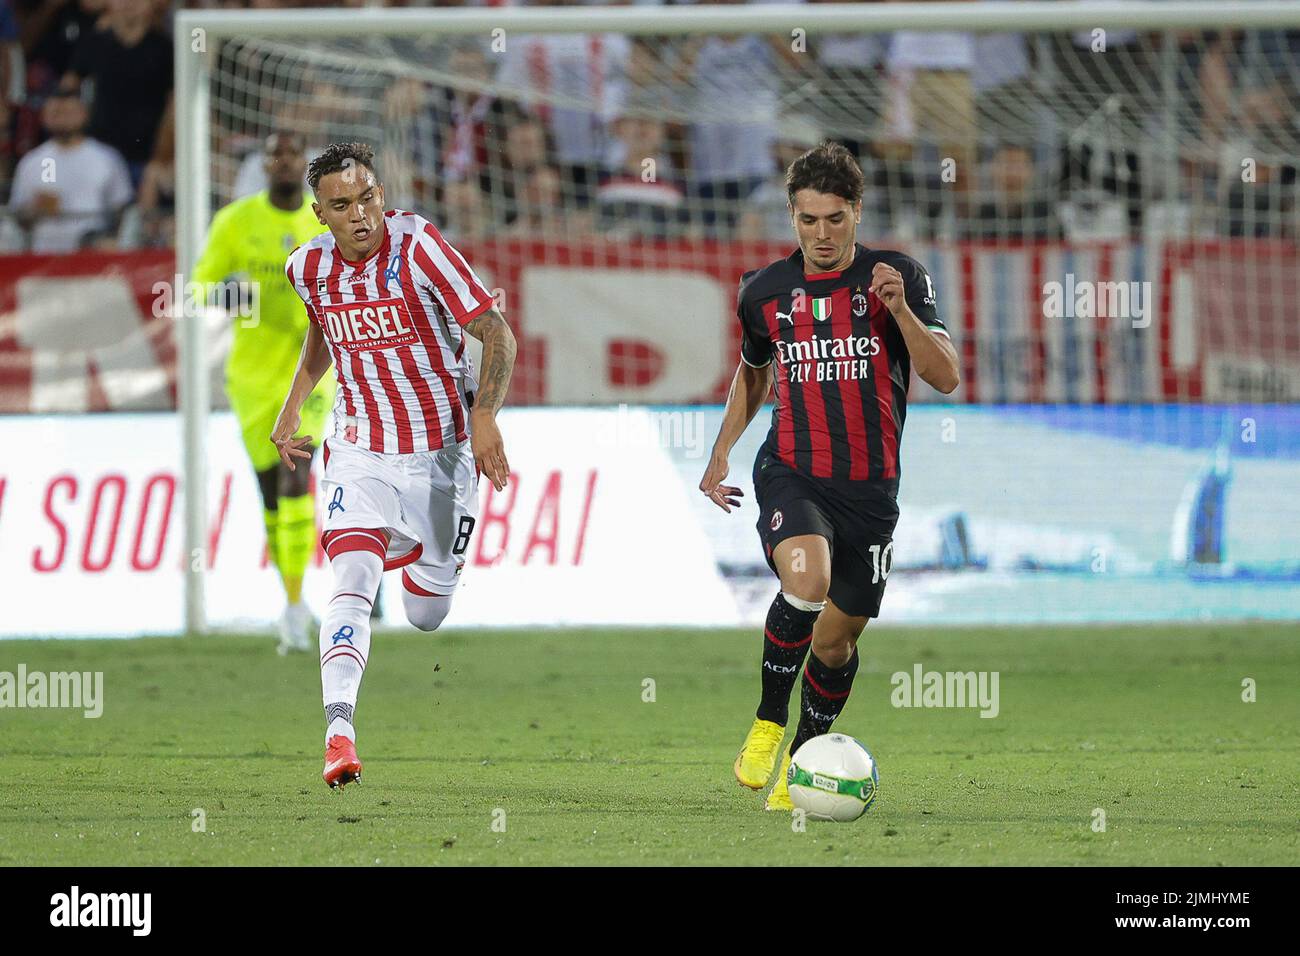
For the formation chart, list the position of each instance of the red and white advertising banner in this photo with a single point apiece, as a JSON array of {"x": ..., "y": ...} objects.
[
  {"x": 594, "y": 528},
  {"x": 645, "y": 323}
]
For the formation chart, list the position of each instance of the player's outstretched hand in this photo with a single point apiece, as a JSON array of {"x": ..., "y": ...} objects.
[
  {"x": 288, "y": 446},
  {"x": 490, "y": 450},
  {"x": 725, "y": 497}
]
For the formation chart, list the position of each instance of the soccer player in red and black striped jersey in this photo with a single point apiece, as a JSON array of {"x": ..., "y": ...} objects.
[{"x": 838, "y": 328}]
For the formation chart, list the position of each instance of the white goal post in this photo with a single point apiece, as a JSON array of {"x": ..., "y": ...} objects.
[{"x": 200, "y": 34}]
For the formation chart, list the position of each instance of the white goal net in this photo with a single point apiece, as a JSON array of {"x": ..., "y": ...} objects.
[{"x": 1147, "y": 171}]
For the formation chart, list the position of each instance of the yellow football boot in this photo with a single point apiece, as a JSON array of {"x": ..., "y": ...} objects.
[
  {"x": 779, "y": 798},
  {"x": 758, "y": 754}
]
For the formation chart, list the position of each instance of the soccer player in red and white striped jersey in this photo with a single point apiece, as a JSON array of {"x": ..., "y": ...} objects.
[{"x": 390, "y": 302}]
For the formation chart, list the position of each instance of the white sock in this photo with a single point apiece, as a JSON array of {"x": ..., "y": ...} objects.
[
  {"x": 345, "y": 636},
  {"x": 340, "y": 726}
]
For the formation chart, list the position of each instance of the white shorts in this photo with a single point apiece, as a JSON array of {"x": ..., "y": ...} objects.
[{"x": 415, "y": 511}]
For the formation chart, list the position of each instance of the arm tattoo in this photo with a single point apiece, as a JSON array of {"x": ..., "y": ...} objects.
[{"x": 499, "y": 350}]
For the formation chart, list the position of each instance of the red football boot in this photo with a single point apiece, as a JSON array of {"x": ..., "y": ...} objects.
[{"x": 342, "y": 765}]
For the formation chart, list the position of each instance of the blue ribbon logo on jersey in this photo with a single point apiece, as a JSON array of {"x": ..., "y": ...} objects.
[
  {"x": 394, "y": 271},
  {"x": 337, "y": 501}
]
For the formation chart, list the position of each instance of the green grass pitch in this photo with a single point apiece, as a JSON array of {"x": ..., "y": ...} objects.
[{"x": 547, "y": 732}]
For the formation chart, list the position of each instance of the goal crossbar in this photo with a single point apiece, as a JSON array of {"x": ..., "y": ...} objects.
[{"x": 982, "y": 16}]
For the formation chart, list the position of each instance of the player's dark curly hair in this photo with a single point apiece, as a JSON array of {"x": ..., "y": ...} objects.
[
  {"x": 828, "y": 168},
  {"x": 338, "y": 157}
]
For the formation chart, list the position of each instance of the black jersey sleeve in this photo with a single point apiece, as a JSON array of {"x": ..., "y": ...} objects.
[
  {"x": 918, "y": 289},
  {"x": 755, "y": 345}
]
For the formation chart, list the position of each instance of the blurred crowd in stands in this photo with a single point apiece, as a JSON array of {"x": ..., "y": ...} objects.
[{"x": 963, "y": 136}]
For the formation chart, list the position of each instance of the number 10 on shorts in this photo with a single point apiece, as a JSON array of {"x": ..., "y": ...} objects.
[{"x": 882, "y": 559}]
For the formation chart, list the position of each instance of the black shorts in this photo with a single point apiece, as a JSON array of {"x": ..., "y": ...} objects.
[{"x": 859, "y": 529}]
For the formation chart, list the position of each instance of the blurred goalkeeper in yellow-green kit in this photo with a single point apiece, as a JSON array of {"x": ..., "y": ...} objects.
[{"x": 249, "y": 241}]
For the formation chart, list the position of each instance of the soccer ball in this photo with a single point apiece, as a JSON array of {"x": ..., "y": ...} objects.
[{"x": 833, "y": 777}]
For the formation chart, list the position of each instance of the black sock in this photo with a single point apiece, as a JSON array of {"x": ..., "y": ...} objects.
[
  {"x": 825, "y": 692},
  {"x": 786, "y": 637}
]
